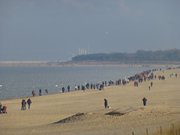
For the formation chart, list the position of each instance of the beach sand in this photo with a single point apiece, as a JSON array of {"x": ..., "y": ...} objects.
[{"x": 83, "y": 113}]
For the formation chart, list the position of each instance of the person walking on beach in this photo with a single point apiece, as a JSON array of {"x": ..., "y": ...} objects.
[
  {"x": 176, "y": 75},
  {"x": 151, "y": 84},
  {"x": 23, "y": 105},
  {"x": 106, "y": 103},
  {"x": 33, "y": 93},
  {"x": 29, "y": 103},
  {"x": 144, "y": 101},
  {"x": 46, "y": 91},
  {"x": 40, "y": 92},
  {"x": 68, "y": 88},
  {"x": 63, "y": 89}
]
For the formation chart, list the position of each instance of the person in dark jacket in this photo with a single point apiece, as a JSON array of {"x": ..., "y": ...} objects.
[
  {"x": 46, "y": 90},
  {"x": 23, "y": 105},
  {"x": 29, "y": 103},
  {"x": 144, "y": 101},
  {"x": 68, "y": 88},
  {"x": 33, "y": 93},
  {"x": 63, "y": 89},
  {"x": 106, "y": 103},
  {"x": 40, "y": 92}
]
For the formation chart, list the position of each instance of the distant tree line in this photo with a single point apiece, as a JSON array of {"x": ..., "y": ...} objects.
[{"x": 140, "y": 55}]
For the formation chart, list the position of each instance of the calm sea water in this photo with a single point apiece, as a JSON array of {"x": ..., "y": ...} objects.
[{"x": 19, "y": 82}]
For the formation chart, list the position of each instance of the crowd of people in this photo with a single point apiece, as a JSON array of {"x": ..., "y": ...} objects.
[{"x": 137, "y": 79}]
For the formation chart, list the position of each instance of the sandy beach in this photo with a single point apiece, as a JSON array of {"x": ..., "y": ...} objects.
[{"x": 83, "y": 113}]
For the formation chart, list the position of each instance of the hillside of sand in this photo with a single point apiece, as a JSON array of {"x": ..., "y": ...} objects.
[{"x": 83, "y": 113}]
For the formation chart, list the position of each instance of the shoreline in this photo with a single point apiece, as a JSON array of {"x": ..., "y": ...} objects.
[
  {"x": 162, "y": 109},
  {"x": 72, "y": 86},
  {"x": 156, "y": 68},
  {"x": 80, "y": 89},
  {"x": 83, "y": 64}
]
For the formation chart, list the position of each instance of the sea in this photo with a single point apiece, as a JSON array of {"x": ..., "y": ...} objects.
[{"x": 18, "y": 82}]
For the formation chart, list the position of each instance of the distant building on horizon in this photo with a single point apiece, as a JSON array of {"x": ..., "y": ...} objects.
[{"x": 82, "y": 51}]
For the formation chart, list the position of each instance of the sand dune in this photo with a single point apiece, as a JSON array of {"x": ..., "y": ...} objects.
[{"x": 83, "y": 113}]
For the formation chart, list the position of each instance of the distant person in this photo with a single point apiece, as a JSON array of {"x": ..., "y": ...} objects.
[
  {"x": 151, "y": 84},
  {"x": 4, "y": 109},
  {"x": 106, "y": 103},
  {"x": 29, "y": 103},
  {"x": 144, "y": 101},
  {"x": 33, "y": 93},
  {"x": 79, "y": 87},
  {"x": 83, "y": 88},
  {"x": 63, "y": 89},
  {"x": 76, "y": 87},
  {"x": 101, "y": 87},
  {"x": 40, "y": 92},
  {"x": 68, "y": 88},
  {"x": 46, "y": 91},
  {"x": 23, "y": 105}
]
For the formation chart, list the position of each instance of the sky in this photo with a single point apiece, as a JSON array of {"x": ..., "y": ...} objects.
[{"x": 57, "y": 30}]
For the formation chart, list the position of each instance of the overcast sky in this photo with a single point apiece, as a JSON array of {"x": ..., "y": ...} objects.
[{"x": 60, "y": 29}]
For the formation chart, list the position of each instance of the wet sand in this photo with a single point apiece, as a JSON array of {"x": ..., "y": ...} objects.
[{"x": 83, "y": 113}]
